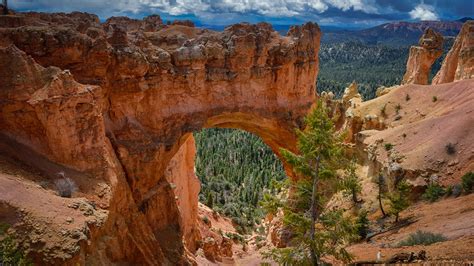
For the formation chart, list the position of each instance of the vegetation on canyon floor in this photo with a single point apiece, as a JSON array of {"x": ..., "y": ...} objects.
[
  {"x": 10, "y": 254},
  {"x": 421, "y": 238},
  {"x": 235, "y": 167}
]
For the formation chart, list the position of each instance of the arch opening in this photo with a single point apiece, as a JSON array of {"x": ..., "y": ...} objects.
[
  {"x": 182, "y": 173},
  {"x": 235, "y": 168}
]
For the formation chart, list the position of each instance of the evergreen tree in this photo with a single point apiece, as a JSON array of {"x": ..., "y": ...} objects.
[
  {"x": 270, "y": 204},
  {"x": 380, "y": 181},
  {"x": 362, "y": 224},
  {"x": 321, "y": 154},
  {"x": 351, "y": 183},
  {"x": 399, "y": 199},
  {"x": 210, "y": 200}
]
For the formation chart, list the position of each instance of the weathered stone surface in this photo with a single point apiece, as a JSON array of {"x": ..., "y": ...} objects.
[
  {"x": 422, "y": 57},
  {"x": 180, "y": 174},
  {"x": 459, "y": 62},
  {"x": 151, "y": 86},
  {"x": 351, "y": 96},
  {"x": 211, "y": 249}
]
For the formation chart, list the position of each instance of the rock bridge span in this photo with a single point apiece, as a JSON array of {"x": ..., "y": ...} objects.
[{"x": 116, "y": 101}]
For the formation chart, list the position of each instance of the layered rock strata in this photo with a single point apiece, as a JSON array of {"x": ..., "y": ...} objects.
[
  {"x": 459, "y": 62},
  {"x": 422, "y": 57},
  {"x": 116, "y": 101}
]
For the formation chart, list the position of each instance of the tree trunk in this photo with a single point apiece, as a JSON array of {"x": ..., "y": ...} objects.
[
  {"x": 380, "y": 196},
  {"x": 314, "y": 214},
  {"x": 381, "y": 207}
]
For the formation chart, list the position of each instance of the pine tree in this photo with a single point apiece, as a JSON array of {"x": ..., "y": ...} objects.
[
  {"x": 321, "y": 154},
  {"x": 210, "y": 200},
  {"x": 399, "y": 199},
  {"x": 380, "y": 181},
  {"x": 270, "y": 204},
  {"x": 350, "y": 183},
  {"x": 362, "y": 224}
]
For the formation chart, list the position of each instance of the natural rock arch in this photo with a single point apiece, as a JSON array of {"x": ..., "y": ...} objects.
[{"x": 151, "y": 86}]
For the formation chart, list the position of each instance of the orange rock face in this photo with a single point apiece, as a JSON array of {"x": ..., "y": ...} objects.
[
  {"x": 149, "y": 86},
  {"x": 422, "y": 57},
  {"x": 180, "y": 174},
  {"x": 459, "y": 62}
]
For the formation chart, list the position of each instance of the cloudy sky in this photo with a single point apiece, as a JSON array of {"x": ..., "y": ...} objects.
[{"x": 347, "y": 13}]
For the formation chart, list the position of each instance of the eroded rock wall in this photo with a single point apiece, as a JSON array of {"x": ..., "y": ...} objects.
[
  {"x": 148, "y": 86},
  {"x": 186, "y": 186},
  {"x": 459, "y": 62},
  {"x": 422, "y": 57}
]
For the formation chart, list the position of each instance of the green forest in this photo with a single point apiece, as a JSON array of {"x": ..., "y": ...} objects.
[
  {"x": 371, "y": 66},
  {"x": 236, "y": 167}
]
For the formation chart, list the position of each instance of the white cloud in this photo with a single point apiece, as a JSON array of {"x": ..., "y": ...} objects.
[
  {"x": 367, "y": 6},
  {"x": 424, "y": 12},
  {"x": 274, "y": 8}
]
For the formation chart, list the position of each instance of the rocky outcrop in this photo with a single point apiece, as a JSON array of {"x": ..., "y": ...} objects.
[
  {"x": 117, "y": 101},
  {"x": 459, "y": 62},
  {"x": 351, "y": 96},
  {"x": 180, "y": 174},
  {"x": 422, "y": 57}
]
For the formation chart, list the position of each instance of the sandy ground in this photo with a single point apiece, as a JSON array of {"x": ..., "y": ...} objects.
[{"x": 452, "y": 217}]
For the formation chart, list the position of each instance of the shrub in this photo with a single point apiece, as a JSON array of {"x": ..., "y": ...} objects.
[
  {"x": 449, "y": 190},
  {"x": 206, "y": 220},
  {"x": 3, "y": 228},
  {"x": 10, "y": 253},
  {"x": 433, "y": 192},
  {"x": 235, "y": 237},
  {"x": 435, "y": 99},
  {"x": 398, "y": 107},
  {"x": 388, "y": 146},
  {"x": 65, "y": 187},
  {"x": 362, "y": 224},
  {"x": 450, "y": 148},
  {"x": 383, "y": 109},
  {"x": 467, "y": 182},
  {"x": 44, "y": 184},
  {"x": 422, "y": 238},
  {"x": 407, "y": 97}
]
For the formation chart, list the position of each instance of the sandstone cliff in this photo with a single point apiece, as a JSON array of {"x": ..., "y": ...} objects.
[
  {"x": 422, "y": 57},
  {"x": 111, "y": 105},
  {"x": 459, "y": 62}
]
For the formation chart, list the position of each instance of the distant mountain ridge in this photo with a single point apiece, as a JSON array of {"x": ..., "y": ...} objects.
[
  {"x": 394, "y": 33},
  {"x": 401, "y": 33}
]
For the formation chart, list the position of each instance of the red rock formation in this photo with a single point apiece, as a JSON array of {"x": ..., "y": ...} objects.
[
  {"x": 422, "y": 57},
  {"x": 180, "y": 174},
  {"x": 459, "y": 62},
  {"x": 152, "y": 85}
]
